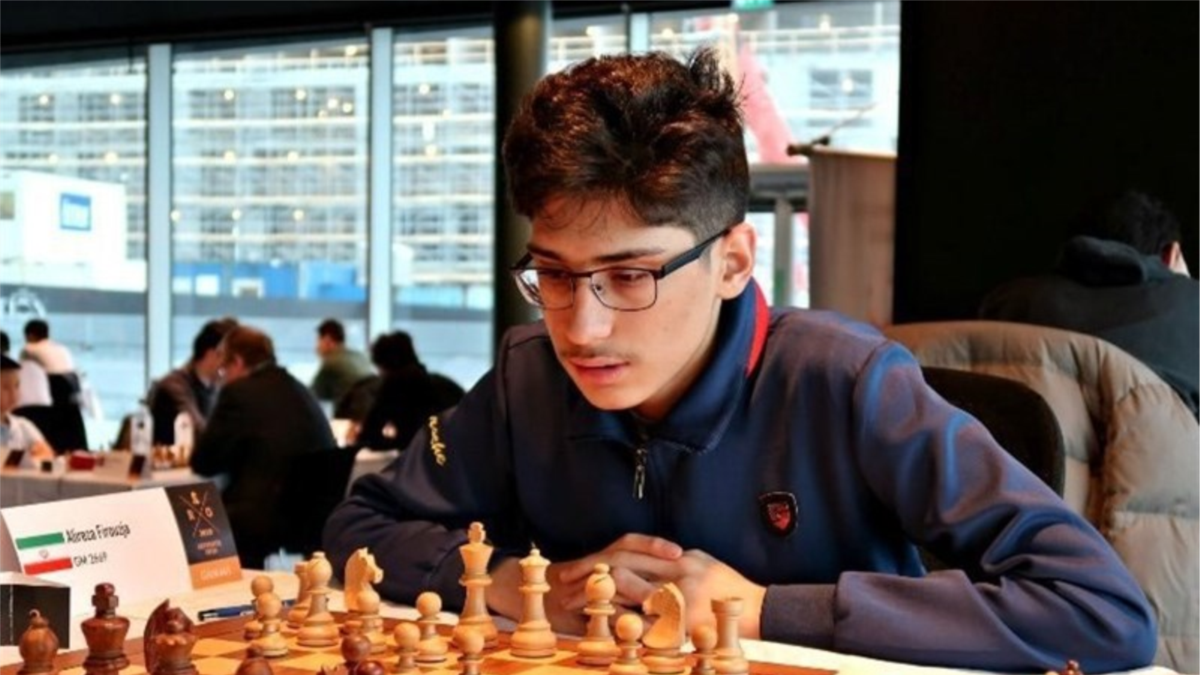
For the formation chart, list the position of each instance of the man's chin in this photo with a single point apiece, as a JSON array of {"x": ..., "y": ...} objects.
[{"x": 611, "y": 399}]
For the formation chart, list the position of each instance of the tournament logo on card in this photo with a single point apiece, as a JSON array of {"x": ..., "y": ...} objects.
[{"x": 207, "y": 536}]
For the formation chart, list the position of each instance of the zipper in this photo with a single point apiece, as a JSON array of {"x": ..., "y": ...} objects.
[{"x": 639, "y": 472}]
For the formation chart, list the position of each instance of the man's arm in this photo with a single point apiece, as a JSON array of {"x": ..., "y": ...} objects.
[{"x": 1034, "y": 580}]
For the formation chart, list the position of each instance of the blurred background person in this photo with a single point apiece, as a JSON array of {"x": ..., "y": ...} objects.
[
  {"x": 407, "y": 395},
  {"x": 16, "y": 432},
  {"x": 35, "y": 385},
  {"x": 191, "y": 388},
  {"x": 340, "y": 367},
  {"x": 264, "y": 418},
  {"x": 1122, "y": 278}
]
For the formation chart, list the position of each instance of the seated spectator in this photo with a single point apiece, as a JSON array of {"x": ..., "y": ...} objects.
[
  {"x": 15, "y": 431},
  {"x": 408, "y": 395},
  {"x": 1123, "y": 278},
  {"x": 340, "y": 367},
  {"x": 264, "y": 417},
  {"x": 192, "y": 388},
  {"x": 35, "y": 384}
]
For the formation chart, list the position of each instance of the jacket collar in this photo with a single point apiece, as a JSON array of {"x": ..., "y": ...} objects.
[{"x": 700, "y": 418}]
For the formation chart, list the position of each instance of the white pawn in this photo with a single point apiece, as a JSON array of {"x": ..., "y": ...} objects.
[
  {"x": 406, "y": 635},
  {"x": 704, "y": 639},
  {"x": 259, "y": 585},
  {"x": 268, "y": 606},
  {"x": 432, "y": 648},
  {"x": 319, "y": 628},
  {"x": 470, "y": 640},
  {"x": 598, "y": 648},
  {"x": 629, "y": 632},
  {"x": 299, "y": 610}
]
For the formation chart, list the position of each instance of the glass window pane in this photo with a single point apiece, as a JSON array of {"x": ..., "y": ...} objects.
[
  {"x": 72, "y": 218},
  {"x": 269, "y": 209},
  {"x": 442, "y": 226},
  {"x": 574, "y": 40}
]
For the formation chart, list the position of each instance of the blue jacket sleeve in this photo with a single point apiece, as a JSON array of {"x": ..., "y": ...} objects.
[
  {"x": 1033, "y": 579},
  {"x": 413, "y": 516}
]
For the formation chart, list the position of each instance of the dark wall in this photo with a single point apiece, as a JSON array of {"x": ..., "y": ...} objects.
[{"x": 1015, "y": 116}]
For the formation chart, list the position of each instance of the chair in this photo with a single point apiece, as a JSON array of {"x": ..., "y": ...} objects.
[
  {"x": 315, "y": 484},
  {"x": 1131, "y": 452},
  {"x": 1018, "y": 418}
]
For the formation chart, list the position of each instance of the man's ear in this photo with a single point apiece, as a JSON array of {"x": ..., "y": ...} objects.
[
  {"x": 737, "y": 260},
  {"x": 1172, "y": 257}
]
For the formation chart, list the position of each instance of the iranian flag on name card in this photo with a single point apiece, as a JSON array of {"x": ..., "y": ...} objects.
[{"x": 50, "y": 551}]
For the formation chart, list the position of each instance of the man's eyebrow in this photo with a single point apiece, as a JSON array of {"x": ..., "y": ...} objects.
[{"x": 606, "y": 259}]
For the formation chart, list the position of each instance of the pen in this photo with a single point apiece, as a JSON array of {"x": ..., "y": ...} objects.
[{"x": 230, "y": 612}]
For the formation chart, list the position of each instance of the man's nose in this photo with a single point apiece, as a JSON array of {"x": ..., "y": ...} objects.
[{"x": 590, "y": 320}]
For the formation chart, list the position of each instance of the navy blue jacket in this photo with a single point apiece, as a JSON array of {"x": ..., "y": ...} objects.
[{"x": 794, "y": 403}]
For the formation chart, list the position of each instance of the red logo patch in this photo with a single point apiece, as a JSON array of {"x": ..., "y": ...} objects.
[{"x": 779, "y": 512}]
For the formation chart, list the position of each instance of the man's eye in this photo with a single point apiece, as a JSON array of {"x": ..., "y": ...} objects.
[
  {"x": 551, "y": 276},
  {"x": 627, "y": 277}
]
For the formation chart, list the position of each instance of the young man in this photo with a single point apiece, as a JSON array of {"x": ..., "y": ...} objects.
[
  {"x": 16, "y": 431},
  {"x": 340, "y": 367},
  {"x": 1122, "y": 278},
  {"x": 662, "y": 419}
]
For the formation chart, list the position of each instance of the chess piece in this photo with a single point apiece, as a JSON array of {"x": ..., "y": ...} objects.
[
  {"x": 259, "y": 585},
  {"x": 470, "y": 640},
  {"x": 533, "y": 638},
  {"x": 105, "y": 634},
  {"x": 665, "y": 638},
  {"x": 356, "y": 648},
  {"x": 728, "y": 658},
  {"x": 157, "y": 625},
  {"x": 295, "y": 616},
  {"x": 406, "y": 635},
  {"x": 370, "y": 667},
  {"x": 598, "y": 648},
  {"x": 270, "y": 641},
  {"x": 319, "y": 628},
  {"x": 476, "y": 554},
  {"x": 254, "y": 663},
  {"x": 362, "y": 600},
  {"x": 704, "y": 639},
  {"x": 175, "y": 651},
  {"x": 629, "y": 632},
  {"x": 38, "y": 647},
  {"x": 432, "y": 648}
]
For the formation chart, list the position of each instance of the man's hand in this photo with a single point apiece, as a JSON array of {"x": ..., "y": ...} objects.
[
  {"x": 639, "y": 563},
  {"x": 702, "y": 578},
  {"x": 40, "y": 450}
]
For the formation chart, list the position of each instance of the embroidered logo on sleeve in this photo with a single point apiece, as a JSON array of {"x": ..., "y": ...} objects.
[
  {"x": 779, "y": 512},
  {"x": 436, "y": 446}
]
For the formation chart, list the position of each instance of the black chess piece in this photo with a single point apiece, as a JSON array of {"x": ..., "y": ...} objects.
[
  {"x": 255, "y": 663},
  {"x": 175, "y": 650},
  {"x": 105, "y": 634},
  {"x": 38, "y": 647}
]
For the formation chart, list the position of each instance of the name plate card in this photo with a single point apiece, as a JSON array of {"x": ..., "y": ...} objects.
[{"x": 150, "y": 543}]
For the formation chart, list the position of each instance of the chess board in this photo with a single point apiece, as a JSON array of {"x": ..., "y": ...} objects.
[{"x": 220, "y": 650}]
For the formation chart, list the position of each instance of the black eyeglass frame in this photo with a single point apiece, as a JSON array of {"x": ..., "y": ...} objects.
[{"x": 691, "y": 255}]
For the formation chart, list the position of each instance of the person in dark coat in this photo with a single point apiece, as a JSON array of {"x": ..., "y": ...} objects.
[{"x": 407, "y": 397}]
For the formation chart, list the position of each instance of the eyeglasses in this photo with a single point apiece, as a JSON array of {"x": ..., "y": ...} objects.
[{"x": 625, "y": 289}]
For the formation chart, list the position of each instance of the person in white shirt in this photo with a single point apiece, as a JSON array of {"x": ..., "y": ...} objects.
[
  {"x": 52, "y": 356},
  {"x": 16, "y": 431},
  {"x": 35, "y": 384}
]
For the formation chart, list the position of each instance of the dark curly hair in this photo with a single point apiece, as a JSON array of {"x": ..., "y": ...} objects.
[
  {"x": 664, "y": 136},
  {"x": 1134, "y": 218}
]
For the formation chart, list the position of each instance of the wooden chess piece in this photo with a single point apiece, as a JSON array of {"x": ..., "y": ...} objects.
[
  {"x": 362, "y": 600},
  {"x": 406, "y": 635},
  {"x": 704, "y": 639},
  {"x": 259, "y": 585},
  {"x": 157, "y": 625},
  {"x": 356, "y": 648},
  {"x": 629, "y": 632},
  {"x": 432, "y": 648},
  {"x": 268, "y": 606},
  {"x": 598, "y": 648},
  {"x": 299, "y": 610},
  {"x": 471, "y": 641},
  {"x": 38, "y": 647},
  {"x": 665, "y": 638},
  {"x": 105, "y": 634},
  {"x": 476, "y": 554},
  {"x": 533, "y": 638},
  {"x": 319, "y": 628},
  {"x": 254, "y": 663},
  {"x": 728, "y": 658},
  {"x": 175, "y": 651},
  {"x": 370, "y": 667}
]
